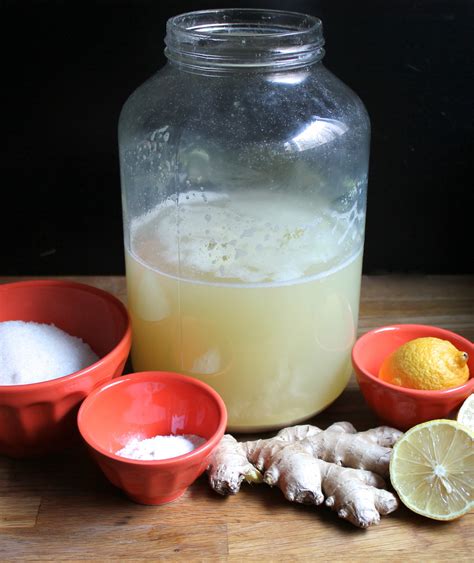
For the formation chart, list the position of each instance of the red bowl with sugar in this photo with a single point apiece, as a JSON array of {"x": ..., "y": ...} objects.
[
  {"x": 399, "y": 406},
  {"x": 144, "y": 405},
  {"x": 40, "y": 417}
]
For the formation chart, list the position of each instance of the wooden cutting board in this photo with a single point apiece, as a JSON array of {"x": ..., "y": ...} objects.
[{"x": 63, "y": 508}]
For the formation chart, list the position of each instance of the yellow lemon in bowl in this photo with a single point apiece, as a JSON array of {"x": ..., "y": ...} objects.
[{"x": 426, "y": 363}]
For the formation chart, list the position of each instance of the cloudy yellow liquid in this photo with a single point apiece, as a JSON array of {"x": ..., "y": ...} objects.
[{"x": 258, "y": 300}]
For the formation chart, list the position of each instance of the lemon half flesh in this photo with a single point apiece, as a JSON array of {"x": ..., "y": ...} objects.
[
  {"x": 466, "y": 413},
  {"x": 432, "y": 469}
]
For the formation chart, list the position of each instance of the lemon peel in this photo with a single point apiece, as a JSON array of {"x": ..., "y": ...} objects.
[{"x": 426, "y": 363}]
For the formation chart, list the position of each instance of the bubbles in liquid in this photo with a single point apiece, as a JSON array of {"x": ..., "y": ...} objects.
[
  {"x": 245, "y": 238},
  {"x": 260, "y": 302}
]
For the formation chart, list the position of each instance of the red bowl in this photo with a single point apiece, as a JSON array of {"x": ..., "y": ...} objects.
[
  {"x": 41, "y": 417},
  {"x": 145, "y": 405},
  {"x": 398, "y": 406}
]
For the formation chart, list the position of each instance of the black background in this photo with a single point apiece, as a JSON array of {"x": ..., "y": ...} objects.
[{"x": 69, "y": 66}]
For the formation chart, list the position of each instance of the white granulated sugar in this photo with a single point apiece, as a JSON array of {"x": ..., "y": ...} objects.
[
  {"x": 160, "y": 447},
  {"x": 34, "y": 352}
]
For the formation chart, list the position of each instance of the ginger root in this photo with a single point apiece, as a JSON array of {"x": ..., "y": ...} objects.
[{"x": 338, "y": 466}]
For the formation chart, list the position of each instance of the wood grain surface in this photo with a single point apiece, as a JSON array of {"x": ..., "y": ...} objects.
[{"x": 62, "y": 508}]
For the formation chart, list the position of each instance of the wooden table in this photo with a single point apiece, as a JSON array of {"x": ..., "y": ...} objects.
[{"x": 63, "y": 508}]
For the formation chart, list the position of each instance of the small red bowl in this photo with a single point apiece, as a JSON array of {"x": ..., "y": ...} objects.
[
  {"x": 145, "y": 405},
  {"x": 398, "y": 406},
  {"x": 41, "y": 417}
]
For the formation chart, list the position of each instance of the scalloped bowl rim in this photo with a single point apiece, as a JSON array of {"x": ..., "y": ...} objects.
[{"x": 420, "y": 393}]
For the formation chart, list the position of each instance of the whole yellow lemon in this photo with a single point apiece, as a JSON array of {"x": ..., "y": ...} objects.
[{"x": 426, "y": 363}]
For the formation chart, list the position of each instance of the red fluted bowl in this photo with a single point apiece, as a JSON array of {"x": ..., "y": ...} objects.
[
  {"x": 144, "y": 405},
  {"x": 41, "y": 417},
  {"x": 398, "y": 406}
]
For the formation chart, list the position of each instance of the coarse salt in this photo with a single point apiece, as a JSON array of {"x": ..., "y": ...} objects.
[
  {"x": 33, "y": 352},
  {"x": 160, "y": 447}
]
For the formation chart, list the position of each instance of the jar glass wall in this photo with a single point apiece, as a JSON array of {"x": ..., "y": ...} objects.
[{"x": 244, "y": 174}]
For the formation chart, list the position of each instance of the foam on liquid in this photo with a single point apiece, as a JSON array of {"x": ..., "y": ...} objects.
[{"x": 247, "y": 239}]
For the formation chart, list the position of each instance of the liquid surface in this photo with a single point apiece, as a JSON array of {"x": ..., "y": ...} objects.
[
  {"x": 250, "y": 238},
  {"x": 261, "y": 304}
]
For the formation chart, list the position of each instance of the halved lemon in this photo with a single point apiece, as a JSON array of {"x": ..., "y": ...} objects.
[
  {"x": 466, "y": 412},
  {"x": 432, "y": 469}
]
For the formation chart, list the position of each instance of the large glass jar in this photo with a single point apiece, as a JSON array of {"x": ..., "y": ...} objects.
[{"x": 244, "y": 173}]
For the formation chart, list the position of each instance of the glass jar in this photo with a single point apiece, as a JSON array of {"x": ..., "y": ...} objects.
[{"x": 244, "y": 174}]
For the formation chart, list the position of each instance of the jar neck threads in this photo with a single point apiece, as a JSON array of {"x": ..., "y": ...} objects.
[{"x": 244, "y": 39}]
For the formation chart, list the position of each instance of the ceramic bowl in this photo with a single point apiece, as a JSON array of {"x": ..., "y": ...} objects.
[
  {"x": 144, "y": 405},
  {"x": 398, "y": 406},
  {"x": 41, "y": 417}
]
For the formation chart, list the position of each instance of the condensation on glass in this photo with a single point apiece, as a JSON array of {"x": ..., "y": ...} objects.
[{"x": 244, "y": 174}]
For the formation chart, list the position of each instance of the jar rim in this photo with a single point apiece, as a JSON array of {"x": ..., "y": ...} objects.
[{"x": 245, "y": 37}]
